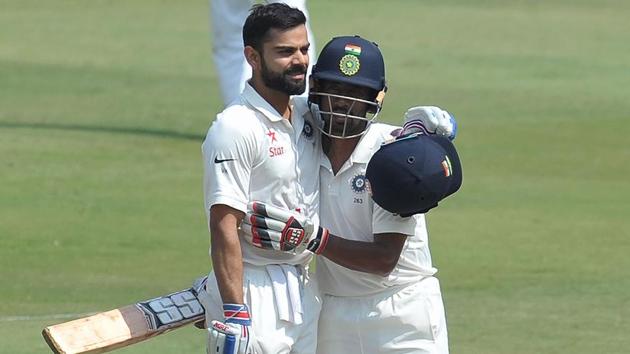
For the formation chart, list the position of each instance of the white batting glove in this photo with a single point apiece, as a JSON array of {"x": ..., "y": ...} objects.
[
  {"x": 233, "y": 335},
  {"x": 269, "y": 227},
  {"x": 429, "y": 120}
]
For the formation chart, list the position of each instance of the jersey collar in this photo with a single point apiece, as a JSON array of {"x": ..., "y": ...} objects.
[
  {"x": 365, "y": 148},
  {"x": 299, "y": 114},
  {"x": 261, "y": 105},
  {"x": 361, "y": 155}
]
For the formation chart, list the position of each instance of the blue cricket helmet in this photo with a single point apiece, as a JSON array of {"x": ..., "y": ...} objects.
[
  {"x": 413, "y": 173},
  {"x": 354, "y": 61}
]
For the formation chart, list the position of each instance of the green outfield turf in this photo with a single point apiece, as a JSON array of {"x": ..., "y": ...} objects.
[{"x": 103, "y": 105}]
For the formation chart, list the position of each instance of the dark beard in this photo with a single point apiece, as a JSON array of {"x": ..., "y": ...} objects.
[
  {"x": 282, "y": 82},
  {"x": 353, "y": 126}
]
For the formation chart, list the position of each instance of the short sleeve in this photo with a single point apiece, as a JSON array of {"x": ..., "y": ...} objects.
[
  {"x": 385, "y": 222},
  {"x": 229, "y": 153}
]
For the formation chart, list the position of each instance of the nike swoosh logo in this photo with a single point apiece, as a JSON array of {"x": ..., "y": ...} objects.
[{"x": 216, "y": 160}]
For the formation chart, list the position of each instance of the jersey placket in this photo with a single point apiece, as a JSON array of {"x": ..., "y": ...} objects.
[{"x": 289, "y": 130}]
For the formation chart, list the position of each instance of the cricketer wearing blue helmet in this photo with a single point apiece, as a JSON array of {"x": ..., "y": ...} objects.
[{"x": 380, "y": 293}]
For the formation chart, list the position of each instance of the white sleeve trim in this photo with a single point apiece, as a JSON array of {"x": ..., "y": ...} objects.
[
  {"x": 386, "y": 222},
  {"x": 227, "y": 200}
]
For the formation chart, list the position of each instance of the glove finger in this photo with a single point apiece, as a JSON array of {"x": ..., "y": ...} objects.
[
  {"x": 261, "y": 238},
  {"x": 243, "y": 344},
  {"x": 280, "y": 214},
  {"x": 222, "y": 328},
  {"x": 454, "y": 133},
  {"x": 434, "y": 111},
  {"x": 421, "y": 119},
  {"x": 264, "y": 222},
  {"x": 415, "y": 113},
  {"x": 444, "y": 117},
  {"x": 445, "y": 125},
  {"x": 221, "y": 338},
  {"x": 215, "y": 344},
  {"x": 414, "y": 126}
]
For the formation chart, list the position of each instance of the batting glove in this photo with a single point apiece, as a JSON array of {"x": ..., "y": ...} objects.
[
  {"x": 269, "y": 227},
  {"x": 429, "y": 120},
  {"x": 232, "y": 336}
]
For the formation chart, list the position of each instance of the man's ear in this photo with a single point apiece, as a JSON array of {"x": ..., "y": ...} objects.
[{"x": 253, "y": 58}]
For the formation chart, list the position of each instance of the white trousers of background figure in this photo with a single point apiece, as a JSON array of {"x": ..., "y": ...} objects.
[{"x": 227, "y": 18}]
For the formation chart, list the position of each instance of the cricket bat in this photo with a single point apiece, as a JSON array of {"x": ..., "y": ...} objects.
[{"x": 127, "y": 325}]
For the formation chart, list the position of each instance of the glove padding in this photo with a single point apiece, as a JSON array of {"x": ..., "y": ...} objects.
[
  {"x": 429, "y": 120},
  {"x": 269, "y": 227},
  {"x": 233, "y": 335}
]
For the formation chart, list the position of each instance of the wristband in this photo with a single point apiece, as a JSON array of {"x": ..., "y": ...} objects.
[
  {"x": 237, "y": 314},
  {"x": 318, "y": 244}
]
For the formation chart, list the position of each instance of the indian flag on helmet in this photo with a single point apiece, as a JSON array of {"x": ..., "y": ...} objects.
[
  {"x": 353, "y": 49},
  {"x": 446, "y": 166}
]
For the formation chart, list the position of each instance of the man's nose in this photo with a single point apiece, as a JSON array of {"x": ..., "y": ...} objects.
[
  {"x": 300, "y": 58},
  {"x": 343, "y": 104}
]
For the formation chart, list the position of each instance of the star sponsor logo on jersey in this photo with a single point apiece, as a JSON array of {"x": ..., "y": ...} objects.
[
  {"x": 357, "y": 183},
  {"x": 272, "y": 135},
  {"x": 274, "y": 150}
]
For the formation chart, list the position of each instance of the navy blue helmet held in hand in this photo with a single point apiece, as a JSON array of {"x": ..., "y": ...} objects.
[
  {"x": 352, "y": 62},
  {"x": 413, "y": 173}
]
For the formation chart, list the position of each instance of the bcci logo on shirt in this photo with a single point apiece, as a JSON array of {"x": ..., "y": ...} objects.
[
  {"x": 308, "y": 130},
  {"x": 358, "y": 184}
]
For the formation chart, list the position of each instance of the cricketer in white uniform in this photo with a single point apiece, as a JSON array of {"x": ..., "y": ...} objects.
[
  {"x": 376, "y": 273},
  {"x": 401, "y": 312},
  {"x": 393, "y": 305},
  {"x": 226, "y": 19},
  {"x": 253, "y": 152}
]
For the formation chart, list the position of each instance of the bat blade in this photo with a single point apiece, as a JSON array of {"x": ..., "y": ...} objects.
[{"x": 121, "y": 327}]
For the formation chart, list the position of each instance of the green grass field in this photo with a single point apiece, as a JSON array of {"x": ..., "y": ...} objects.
[{"x": 103, "y": 105}]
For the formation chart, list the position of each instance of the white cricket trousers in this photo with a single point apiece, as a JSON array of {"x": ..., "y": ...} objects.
[
  {"x": 271, "y": 334},
  {"x": 406, "y": 320},
  {"x": 227, "y": 18}
]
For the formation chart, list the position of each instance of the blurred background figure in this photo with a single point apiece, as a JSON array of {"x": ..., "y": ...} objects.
[{"x": 227, "y": 18}]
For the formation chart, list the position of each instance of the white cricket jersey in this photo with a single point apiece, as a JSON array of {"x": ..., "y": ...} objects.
[
  {"x": 348, "y": 211},
  {"x": 252, "y": 153}
]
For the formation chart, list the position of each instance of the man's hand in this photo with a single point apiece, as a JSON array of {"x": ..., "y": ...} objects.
[
  {"x": 269, "y": 227},
  {"x": 233, "y": 335},
  {"x": 429, "y": 120}
]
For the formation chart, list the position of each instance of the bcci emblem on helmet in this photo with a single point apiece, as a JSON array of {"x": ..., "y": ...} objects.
[
  {"x": 349, "y": 65},
  {"x": 344, "y": 62}
]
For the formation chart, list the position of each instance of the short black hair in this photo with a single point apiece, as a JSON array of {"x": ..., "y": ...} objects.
[{"x": 263, "y": 17}]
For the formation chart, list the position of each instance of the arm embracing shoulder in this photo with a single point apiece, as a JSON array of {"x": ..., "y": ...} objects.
[{"x": 379, "y": 256}]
